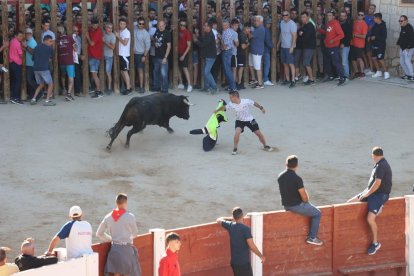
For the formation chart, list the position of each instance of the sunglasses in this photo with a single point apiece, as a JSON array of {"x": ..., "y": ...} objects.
[
  {"x": 141, "y": 24},
  {"x": 286, "y": 15},
  {"x": 183, "y": 25},
  {"x": 401, "y": 21}
]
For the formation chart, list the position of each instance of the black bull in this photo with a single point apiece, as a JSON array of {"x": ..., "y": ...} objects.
[{"x": 155, "y": 109}]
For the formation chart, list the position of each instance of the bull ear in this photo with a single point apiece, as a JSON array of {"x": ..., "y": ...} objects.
[{"x": 187, "y": 102}]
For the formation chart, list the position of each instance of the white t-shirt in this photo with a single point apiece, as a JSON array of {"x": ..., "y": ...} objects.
[
  {"x": 125, "y": 50},
  {"x": 242, "y": 109},
  {"x": 79, "y": 241}
]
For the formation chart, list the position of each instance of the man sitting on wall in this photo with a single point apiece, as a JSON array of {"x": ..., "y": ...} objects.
[{"x": 27, "y": 259}]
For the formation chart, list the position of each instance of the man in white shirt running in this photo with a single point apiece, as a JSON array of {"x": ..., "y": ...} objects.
[
  {"x": 124, "y": 51},
  {"x": 244, "y": 119},
  {"x": 77, "y": 233}
]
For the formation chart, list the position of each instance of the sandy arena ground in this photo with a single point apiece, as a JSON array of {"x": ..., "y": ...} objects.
[{"x": 54, "y": 157}]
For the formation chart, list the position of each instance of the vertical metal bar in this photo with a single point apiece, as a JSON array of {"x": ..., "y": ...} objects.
[
  {"x": 69, "y": 17},
  {"x": 38, "y": 20},
  {"x": 354, "y": 9},
  {"x": 160, "y": 10}
]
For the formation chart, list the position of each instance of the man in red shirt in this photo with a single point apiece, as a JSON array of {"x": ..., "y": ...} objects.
[
  {"x": 333, "y": 36},
  {"x": 66, "y": 45},
  {"x": 15, "y": 57},
  {"x": 169, "y": 265},
  {"x": 184, "y": 46},
  {"x": 95, "y": 51},
  {"x": 359, "y": 34}
]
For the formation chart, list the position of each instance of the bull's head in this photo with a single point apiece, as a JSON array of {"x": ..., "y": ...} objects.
[{"x": 185, "y": 111}]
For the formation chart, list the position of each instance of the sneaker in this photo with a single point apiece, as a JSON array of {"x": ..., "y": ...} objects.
[
  {"x": 368, "y": 72},
  {"x": 33, "y": 102},
  {"x": 374, "y": 248},
  {"x": 252, "y": 82},
  {"x": 314, "y": 241},
  {"x": 259, "y": 86},
  {"x": 268, "y": 83},
  {"x": 126, "y": 92},
  {"x": 405, "y": 77},
  {"x": 189, "y": 88},
  {"x": 49, "y": 103},
  {"x": 268, "y": 148},
  {"x": 386, "y": 75},
  {"x": 292, "y": 84},
  {"x": 305, "y": 79},
  {"x": 377, "y": 74},
  {"x": 234, "y": 152},
  {"x": 341, "y": 81},
  {"x": 69, "y": 97},
  {"x": 309, "y": 82},
  {"x": 181, "y": 86},
  {"x": 17, "y": 101},
  {"x": 97, "y": 95},
  {"x": 285, "y": 82},
  {"x": 410, "y": 78},
  {"x": 361, "y": 75},
  {"x": 299, "y": 77}
]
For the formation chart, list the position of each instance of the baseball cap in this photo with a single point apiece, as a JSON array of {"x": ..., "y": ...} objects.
[
  {"x": 75, "y": 212},
  {"x": 28, "y": 31}
]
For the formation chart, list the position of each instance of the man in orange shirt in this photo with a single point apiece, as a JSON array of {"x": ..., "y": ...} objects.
[
  {"x": 359, "y": 33},
  {"x": 169, "y": 265}
]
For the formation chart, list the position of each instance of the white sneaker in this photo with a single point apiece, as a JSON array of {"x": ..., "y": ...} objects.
[
  {"x": 386, "y": 75},
  {"x": 181, "y": 86},
  {"x": 189, "y": 88},
  {"x": 377, "y": 74},
  {"x": 368, "y": 72},
  {"x": 268, "y": 83},
  {"x": 305, "y": 79}
]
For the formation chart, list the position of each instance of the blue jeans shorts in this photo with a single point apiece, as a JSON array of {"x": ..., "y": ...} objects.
[
  {"x": 109, "y": 61},
  {"x": 94, "y": 65},
  {"x": 376, "y": 202}
]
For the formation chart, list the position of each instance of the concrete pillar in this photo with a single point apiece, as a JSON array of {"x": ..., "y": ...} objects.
[
  {"x": 159, "y": 247},
  {"x": 257, "y": 233},
  {"x": 409, "y": 233}
]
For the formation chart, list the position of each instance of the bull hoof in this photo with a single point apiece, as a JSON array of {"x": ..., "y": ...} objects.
[
  {"x": 108, "y": 148},
  {"x": 170, "y": 130},
  {"x": 127, "y": 146}
]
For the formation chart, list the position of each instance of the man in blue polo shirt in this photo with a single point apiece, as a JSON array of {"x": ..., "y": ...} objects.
[
  {"x": 376, "y": 194},
  {"x": 241, "y": 242}
]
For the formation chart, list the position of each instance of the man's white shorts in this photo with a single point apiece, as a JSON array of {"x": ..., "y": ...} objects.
[{"x": 255, "y": 61}]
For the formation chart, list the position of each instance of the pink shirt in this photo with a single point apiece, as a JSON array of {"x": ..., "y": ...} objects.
[{"x": 15, "y": 51}]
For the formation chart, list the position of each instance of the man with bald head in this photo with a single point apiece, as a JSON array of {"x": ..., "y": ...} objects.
[
  {"x": 162, "y": 42},
  {"x": 27, "y": 260}
]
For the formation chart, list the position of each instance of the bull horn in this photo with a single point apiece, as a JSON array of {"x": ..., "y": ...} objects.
[{"x": 188, "y": 103}]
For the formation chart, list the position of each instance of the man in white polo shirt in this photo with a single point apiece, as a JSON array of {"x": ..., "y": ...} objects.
[
  {"x": 78, "y": 235},
  {"x": 124, "y": 38}
]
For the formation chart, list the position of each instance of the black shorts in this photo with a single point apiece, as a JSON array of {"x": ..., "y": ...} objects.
[
  {"x": 234, "y": 61},
  {"x": 241, "y": 60},
  {"x": 184, "y": 63},
  {"x": 124, "y": 63},
  {"x": 378, "y": 52},
  {"x": 356, "y": 53},
  {"x": 242, "y": 270},
  {"x": 252, "y": 125},
  {"x": 376, "y": 202}
]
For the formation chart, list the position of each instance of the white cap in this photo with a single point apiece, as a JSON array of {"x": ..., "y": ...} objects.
[{"x": 75, "y": 212}]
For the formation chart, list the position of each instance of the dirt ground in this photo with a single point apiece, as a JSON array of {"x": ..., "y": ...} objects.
[{"x": 54, "y": 157}]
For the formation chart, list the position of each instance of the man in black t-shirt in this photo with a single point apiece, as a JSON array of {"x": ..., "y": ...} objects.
[
  {"x": 241, "y": 54},
  {"x": 296, "y": 199},
  {"x": 241, "y": 242},
  {"x": 162, "y": 43},
  {"x": 376, "y": 194},
  {"x": 27, "y": 260}
]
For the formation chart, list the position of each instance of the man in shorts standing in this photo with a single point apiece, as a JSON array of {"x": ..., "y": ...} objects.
[
  {"x": 108, "y": 51},
  {"x": 376, "y": 194},
  {"x": 65, "y": 47},
  {"x": 42, "y": 55},
  {"x": 244, "y": 119},
  {"x": 256, "y": 50},
  {"x": 359, "y": 34},
  {"x": 95, "y": 51},
  {"x": 124, "y": 51},
  {"x": 184, "y": 46},
  {"x": 287, "y": 43},
  {"x": 241, "y": 54},
  {"x": 308, "y": 35},
  {"x": 142, "y": 46},
  {"x": 241, "y": 243},
  {"x": 120, "y": 228},
  {"x": 378, "y": 41}
]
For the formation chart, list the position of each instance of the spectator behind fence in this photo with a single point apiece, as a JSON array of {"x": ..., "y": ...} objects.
[
  {"x": 376, "y": 194},
  {"x": 184, "y": 46},
  {"x": 95, "y": 51},
  {"x": 241, "y": 54},
  {"x": 256, "y": 50},
  {"x": 308, "y": 35},
  {"x": 124, "y": 52},
  {"x": 296, "y": 199},
  {"x": 77, "y": 58},
  {"x": 42, "y": 55},
  {"x": 378, "y": 41},
  {"x": 15, "y": 59},
  {"x": 108, "y": 52},
  {"x": 229, "y": 42},
  {"x": 406, "y": 43},
  {"x": 287, "y": 43},
  {"x": 359, "y": 34},
  {"x": 46, "y": 31},
  {"x": 6, "y": 268},
  {"x": 120, "y": 228},
  {"x": 66, "y": 46},
  {"x": 77, "y": 233},
  {"x": 27, "y": 260},
  {"x": 30, "y": 78},
  {"x": 241, "y": 243},
  {"x": 268, "y": 46},
  {"x": 142, "y": 46},
  {"x": 208, "y": 50},
  {"x": 346, "y": 26},
  {"x": 169, "y": 265},
  {"x": 162, "y": 41}
]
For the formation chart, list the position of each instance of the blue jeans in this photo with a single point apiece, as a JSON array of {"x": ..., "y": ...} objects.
[
  {"x": 266, "y": 66},
  {"x": 345, "y": 61},
  {"x": 226, "y": 58},
  {"x": 209, "y": 81},
  {"x": 161, "y": 70},
  {"x": 308, "y": 210}
]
